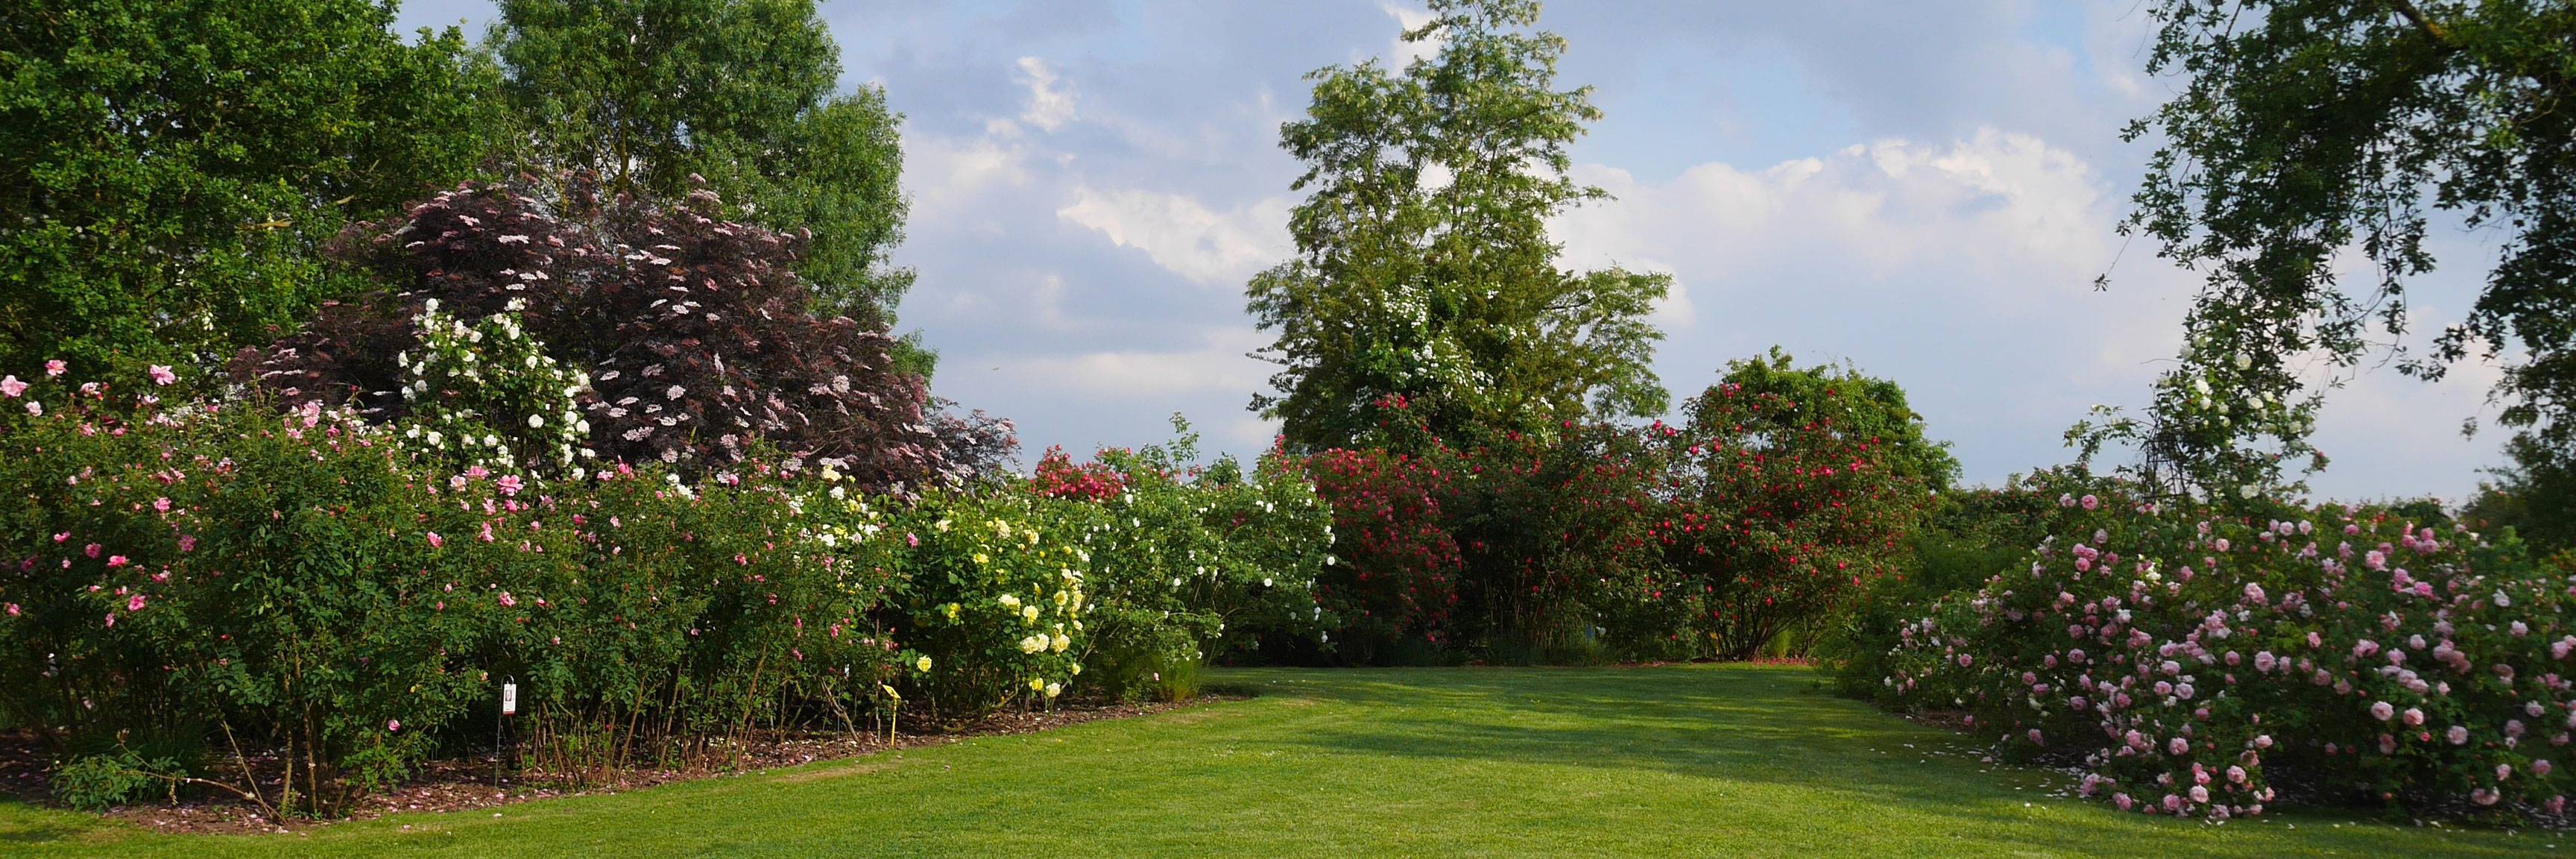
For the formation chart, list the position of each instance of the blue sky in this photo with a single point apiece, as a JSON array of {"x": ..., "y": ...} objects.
[{"x": 1925, "y": 189}]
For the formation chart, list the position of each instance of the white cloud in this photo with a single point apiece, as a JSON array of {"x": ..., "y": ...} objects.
[
  {"x": 1219, "y": 365},
  {"x": 1402, "y": 52},
  {"x": 1180, "y": 234},
  {"x": 1959, "y": 269},
  {"x": 945, "y": 175},
  {"x": 1049, "y": 108}
]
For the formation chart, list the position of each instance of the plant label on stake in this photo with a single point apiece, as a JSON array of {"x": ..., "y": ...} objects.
[{"x": 509, "y": 699}]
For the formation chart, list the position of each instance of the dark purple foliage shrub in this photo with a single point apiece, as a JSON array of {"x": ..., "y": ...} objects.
[{"x": 694, "y": 331}]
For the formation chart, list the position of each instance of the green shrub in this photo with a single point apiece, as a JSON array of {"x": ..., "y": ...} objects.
[{"x": 103, "y": 781}]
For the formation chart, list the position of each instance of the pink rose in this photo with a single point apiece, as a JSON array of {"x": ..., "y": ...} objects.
[{"x": 161, "y": 375}]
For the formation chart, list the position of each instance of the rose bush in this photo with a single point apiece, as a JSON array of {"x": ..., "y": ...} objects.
[
  {"x": 1392, "y": 577},
  {"x": 1192, "y": 562},
  {"x": 2201, "y": 663},
  {"x": 219, "y": 578}
]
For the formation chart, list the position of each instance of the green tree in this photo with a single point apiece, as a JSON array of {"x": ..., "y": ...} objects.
[
  {"x": 168, "y": 168},
  {"x": 2535, "y": 496},
  {"x": 1423, "y": 267},
  {"x": 647, "y": 93},
  {"x": 2306, "y": 128}
]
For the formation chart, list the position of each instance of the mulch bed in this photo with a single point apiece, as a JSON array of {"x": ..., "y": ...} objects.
[{"x": 466, "y": 784}]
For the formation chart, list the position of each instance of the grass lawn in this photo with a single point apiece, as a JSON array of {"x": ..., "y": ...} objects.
[{"x": 1686, "y": 761}]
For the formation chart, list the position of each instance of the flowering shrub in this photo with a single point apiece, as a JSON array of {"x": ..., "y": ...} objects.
[
  {"x": 994, "y": 597},
  {"x": 1058, "y": 477},
  {"x": 1780, "y": 515},
  {"x": 488, "y": 395},
  {"x": 1393, "y": 573},
  {"x": 1191, "y": 562},
  {"x": 694, "y": 332},
  {"x": 1972, "y": 532},
  {"x": 2198, "y": 664},
  {"x": 299, "y": 582},
  {"x": 1556, "y": 536}
]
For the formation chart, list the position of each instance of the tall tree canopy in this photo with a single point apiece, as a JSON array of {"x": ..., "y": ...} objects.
[
  {"x": 169, "y": 168},
  {"x": 647, "y": 93},
  {"x": 1423, "y": 266},
  {"x": 2305, "y": 128}
]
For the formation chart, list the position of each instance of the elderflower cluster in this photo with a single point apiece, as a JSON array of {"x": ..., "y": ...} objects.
[{"x": 487, "y": 394}]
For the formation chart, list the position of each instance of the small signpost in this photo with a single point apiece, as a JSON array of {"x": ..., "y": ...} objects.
[{"x": 509, "y": 707}]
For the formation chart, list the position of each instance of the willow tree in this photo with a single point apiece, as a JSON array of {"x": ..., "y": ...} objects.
[
  {"x": 2304, "y": 130},
  {"x": 1424, "y": 274}
]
